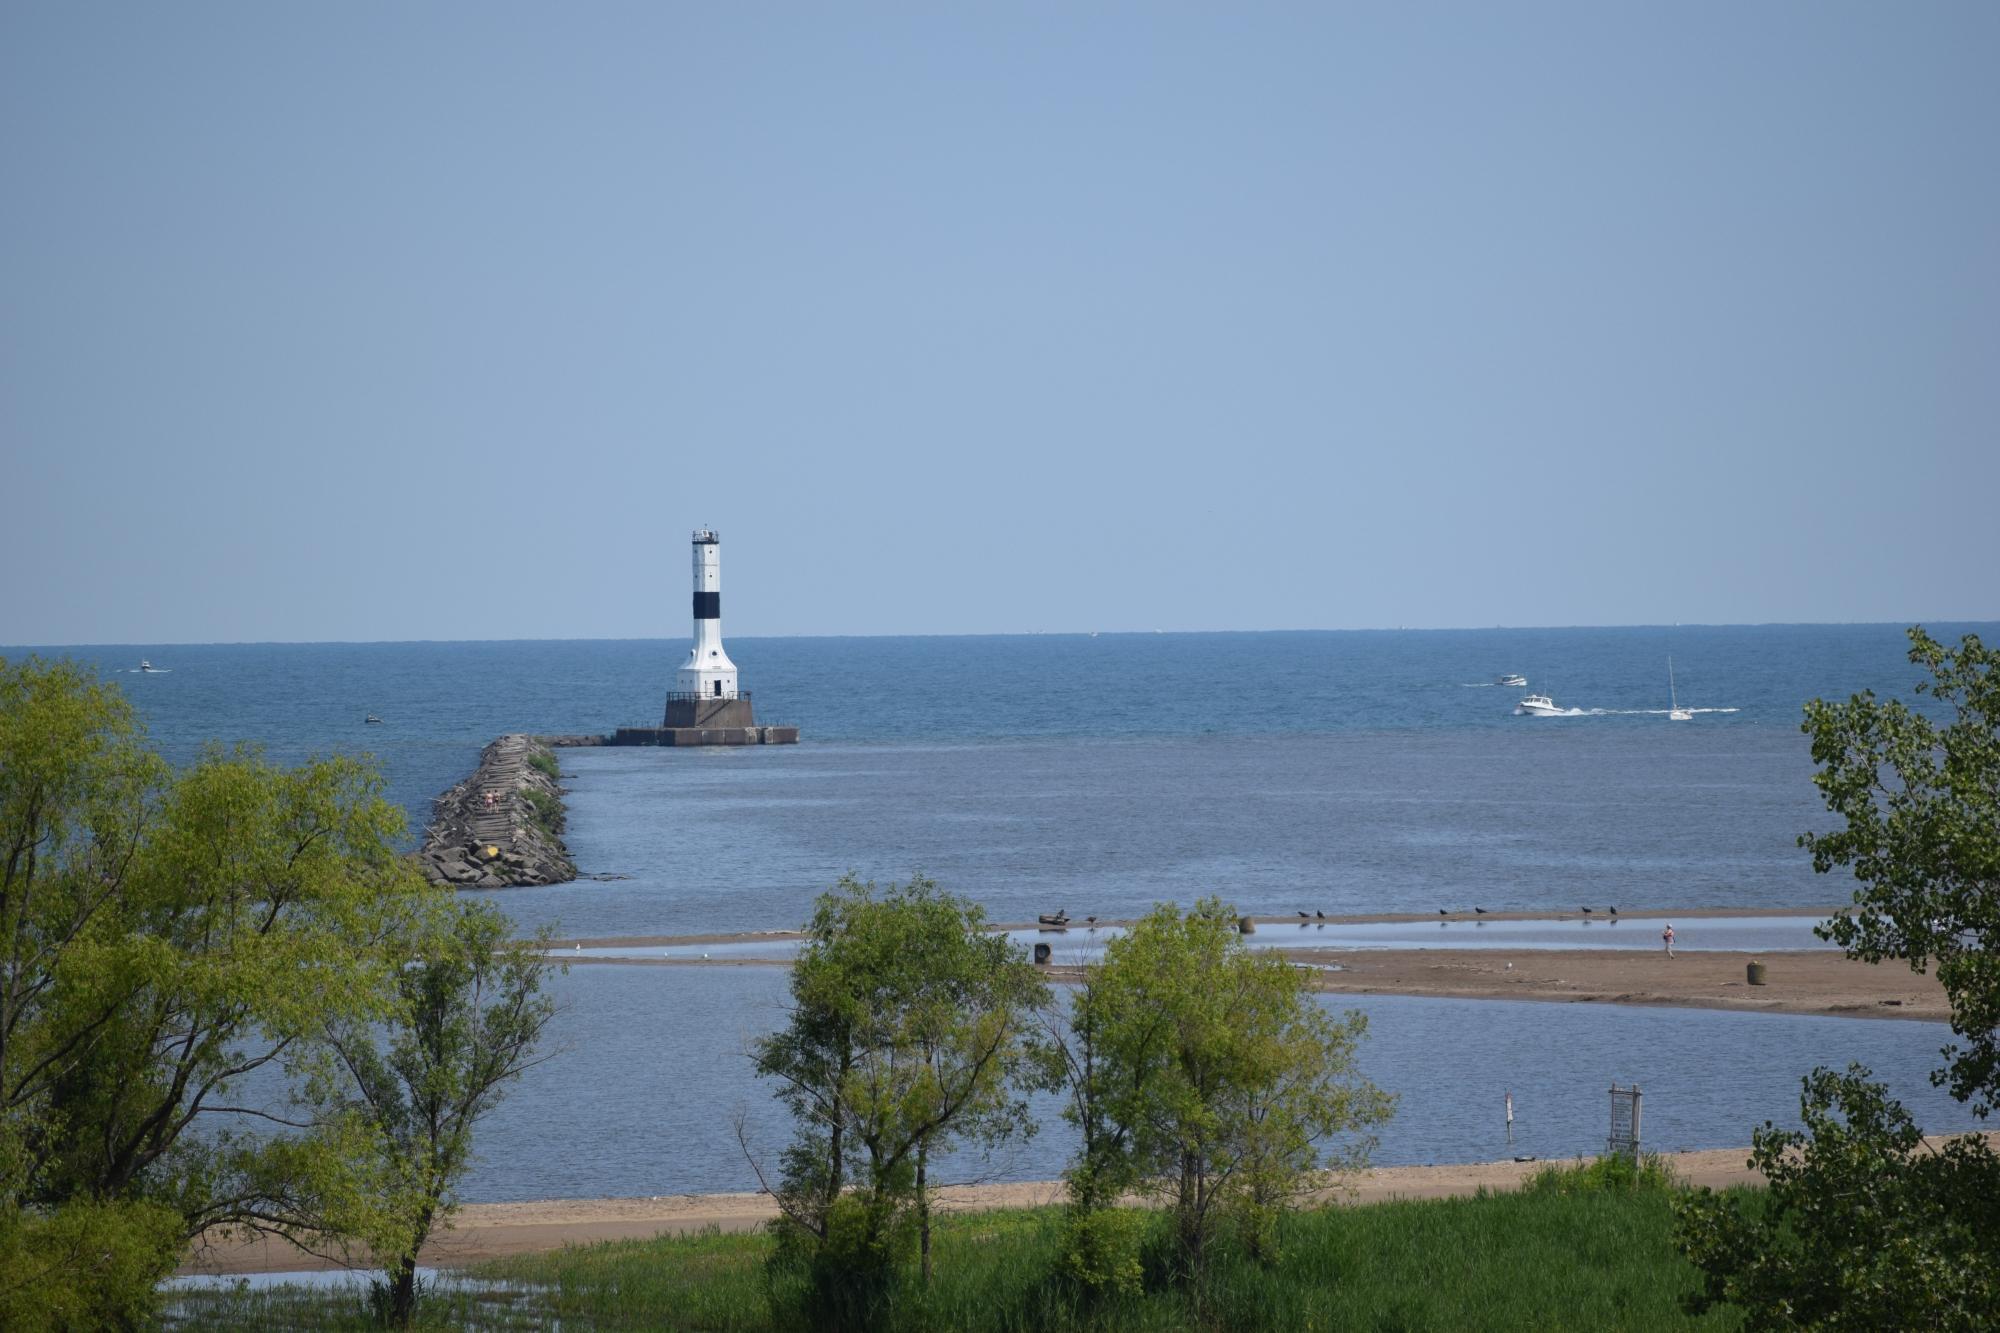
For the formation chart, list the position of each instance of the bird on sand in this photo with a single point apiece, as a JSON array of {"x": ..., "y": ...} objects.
[
  {"x": 1321, "y": 915},
  {"x": 1586, "y": 911},
  {"x": 1091, "y": 920},
  {"x": 1480, "y": 910},
  {"x": 1305, "y": 916},
  {"x": 1442, "y": 912},
  {"x": 1614, "y": 911}
]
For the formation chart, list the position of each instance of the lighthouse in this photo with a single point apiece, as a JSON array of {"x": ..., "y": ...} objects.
[
  {"x": 704, "y": 706},
  {"x": 708, "y": 673}
]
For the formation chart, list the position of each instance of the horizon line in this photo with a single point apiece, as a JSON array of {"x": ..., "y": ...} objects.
[{"x": 1014, "y": 634}]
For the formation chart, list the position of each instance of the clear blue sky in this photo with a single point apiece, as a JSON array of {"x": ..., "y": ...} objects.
[{"x": 377, "y": 321}]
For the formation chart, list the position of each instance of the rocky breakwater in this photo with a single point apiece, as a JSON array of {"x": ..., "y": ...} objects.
[{"x": 502, "y": 827}]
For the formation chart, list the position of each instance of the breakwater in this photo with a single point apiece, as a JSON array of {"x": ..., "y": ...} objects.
[{"x": 502, "y": 827}]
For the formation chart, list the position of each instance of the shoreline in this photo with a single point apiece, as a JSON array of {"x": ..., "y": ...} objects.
[{"x": 482, "y": 1231}]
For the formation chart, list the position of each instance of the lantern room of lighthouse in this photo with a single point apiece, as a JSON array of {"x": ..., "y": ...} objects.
[{"x": 708, "y": 672}]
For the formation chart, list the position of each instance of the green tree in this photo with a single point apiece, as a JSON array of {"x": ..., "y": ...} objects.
[
  {"x": 1865, "y": 1225},
  {"x": 1919, "y": 802},
  {"x": 905, "y": 1036},
  {"x": 1206, "y": 1074},
  {"x": 470, "y": 1017},
  {"x": 162, "y": 936}
]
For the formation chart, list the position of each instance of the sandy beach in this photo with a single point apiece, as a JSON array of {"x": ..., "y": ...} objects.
[{"x": 489, "y": 1230}]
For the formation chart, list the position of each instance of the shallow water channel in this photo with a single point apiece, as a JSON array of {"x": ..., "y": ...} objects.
[
  {"x": 1083, "y": 943},
  {"x": 654, "y": 1068}
]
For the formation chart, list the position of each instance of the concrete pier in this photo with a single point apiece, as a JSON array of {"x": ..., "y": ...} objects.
[{"x": 704, "y": 736}]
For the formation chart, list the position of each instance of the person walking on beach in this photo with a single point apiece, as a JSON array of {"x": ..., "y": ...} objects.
[{"x": 1668, "y": 936}]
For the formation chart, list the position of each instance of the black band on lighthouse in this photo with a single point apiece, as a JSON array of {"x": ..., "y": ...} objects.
[{"x": 708, "y": 606}]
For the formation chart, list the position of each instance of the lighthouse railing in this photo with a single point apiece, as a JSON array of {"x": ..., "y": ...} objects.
[{"x": 696, "y": 696}]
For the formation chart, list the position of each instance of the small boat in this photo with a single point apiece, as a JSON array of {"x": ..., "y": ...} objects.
[
  {"x": 1537, "y": 705},
  {"x": 147, "y": 668},
  {"x": 1518, "y": 682},
  {"x": 1054, "y": 918},
  {"x": 1675, "y": 713},
  {"x": 371, "y": 718}
]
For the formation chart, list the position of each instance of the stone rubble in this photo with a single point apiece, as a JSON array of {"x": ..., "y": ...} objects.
[{"x": 484, "y": 833}]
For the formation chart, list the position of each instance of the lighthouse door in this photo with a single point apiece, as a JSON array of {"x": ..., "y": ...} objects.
[{"x": 718, "y": 689}]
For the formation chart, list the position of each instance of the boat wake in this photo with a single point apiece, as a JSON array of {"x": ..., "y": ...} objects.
[
  {"x": 1659, "y": 712},
  {"x": 1627, "y": 712}
]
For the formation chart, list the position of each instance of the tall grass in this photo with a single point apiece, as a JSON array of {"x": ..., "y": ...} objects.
[{"x": 1591, "y": 1250}]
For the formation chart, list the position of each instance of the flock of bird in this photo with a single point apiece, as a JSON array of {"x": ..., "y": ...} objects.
[
  {"x": 1060, "y": 917},
  {"x": 1448, "y": 914}
]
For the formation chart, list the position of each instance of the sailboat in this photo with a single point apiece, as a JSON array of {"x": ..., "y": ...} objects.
[{"x": 1675, "y": 713}]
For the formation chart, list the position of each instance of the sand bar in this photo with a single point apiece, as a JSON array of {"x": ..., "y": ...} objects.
[{"x": 1806, "y": 982}]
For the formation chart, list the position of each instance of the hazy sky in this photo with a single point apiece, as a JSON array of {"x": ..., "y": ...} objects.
[{"x": 378, "y": 321}]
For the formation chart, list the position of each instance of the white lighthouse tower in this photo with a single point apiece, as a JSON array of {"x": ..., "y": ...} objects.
[{"x": 708, "y": 672}]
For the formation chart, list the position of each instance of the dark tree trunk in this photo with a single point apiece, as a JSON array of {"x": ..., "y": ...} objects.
[
  {"x": 403, "y": 1277},
  {"x": 403, "y": 1292}
]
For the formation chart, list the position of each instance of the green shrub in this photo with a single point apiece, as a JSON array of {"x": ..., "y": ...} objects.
[
  {"x": 545, "y": 810},
  {"x": 848, "y": 1279},
  {"x": 85, "y": 1265},
  {"x": 1099, "y": 1253},
  {"x": 545, "y": 763},
  {"x": 1615, "y": 1174}
]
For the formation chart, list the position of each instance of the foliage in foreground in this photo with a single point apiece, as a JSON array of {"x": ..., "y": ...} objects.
[
  {"x": 904, "y": 1036},
  {"x": 1920, "y": 806},
  {"x": 1204, "y": 1074},
  {"x": 163, "y": 935},
  {"x": 469, "y": 1017},
  {"x": 1864, "y": 1226},
  {"x": 1592, "y": 1260}
]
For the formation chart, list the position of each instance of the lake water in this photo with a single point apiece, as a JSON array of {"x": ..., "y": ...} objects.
[
  {"x": 1344, "y": 771},
  {"x": 1083, "y": 944},
  {"x": 1351, "y": 773},
  {"x": 643, "y": 1099}
]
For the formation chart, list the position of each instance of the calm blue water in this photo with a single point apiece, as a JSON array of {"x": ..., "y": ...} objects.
[
  {"x": 1346, "y": 772},
  {"x": 648, "y": 1107},
  {"x": 1343, "y": 771}
]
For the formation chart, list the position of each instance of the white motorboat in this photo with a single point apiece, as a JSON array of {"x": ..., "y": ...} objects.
[
  {"x": 1537, "y": 705},
  {"x": 1518, "y": 682},
  {"x": 1675, "y": 713},
  {"x": 147, "y": 668}
]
